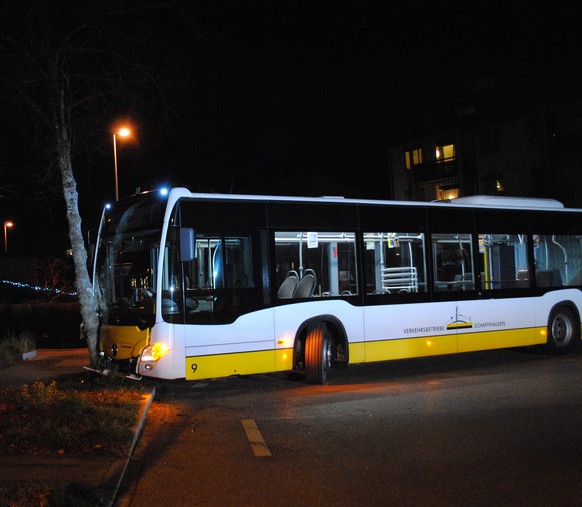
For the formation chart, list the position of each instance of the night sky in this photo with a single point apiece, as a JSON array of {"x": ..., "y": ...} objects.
[{"x": 300, "y": 98}]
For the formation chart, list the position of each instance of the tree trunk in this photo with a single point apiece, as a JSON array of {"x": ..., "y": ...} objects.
[{"x": 82, "y": 280}]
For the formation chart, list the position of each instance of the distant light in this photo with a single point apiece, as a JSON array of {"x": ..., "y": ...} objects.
[
  {"x": 164, "y": 191},
  {"x": 107, "y": 205},
  {"x": 22, "y": 285},
  {"x": 124, "y": 132}
]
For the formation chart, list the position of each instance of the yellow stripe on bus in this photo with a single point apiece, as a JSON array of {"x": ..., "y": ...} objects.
[
  {"x": 224, "y": 365},
  {"x": 357, "y": 352},
  {"x": 384, "y": 350},
  {"x": 487, "y": 340},
  {"x": 248, "y": 363},
  {"x": 410, "y": 347}
]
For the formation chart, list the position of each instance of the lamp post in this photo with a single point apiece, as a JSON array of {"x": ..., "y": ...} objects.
[
  {"x": 123, "y": 132},
  {"x": 8, "y": 224}
]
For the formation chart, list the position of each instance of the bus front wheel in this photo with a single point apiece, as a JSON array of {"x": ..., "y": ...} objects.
[
  {"x": 318, "y": 354},
  {"x": 563, "y": 331}
]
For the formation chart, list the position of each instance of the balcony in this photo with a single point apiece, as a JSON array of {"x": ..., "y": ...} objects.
[{"x": 436, "y": 172}]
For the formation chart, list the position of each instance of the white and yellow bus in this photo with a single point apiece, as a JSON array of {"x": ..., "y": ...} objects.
[{"x": 200, "y": 286}]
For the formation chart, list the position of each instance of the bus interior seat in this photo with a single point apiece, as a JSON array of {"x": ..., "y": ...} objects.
[
  {"x": 309, "y": 272},
  {"x": 306, "y": 285},
  {"x": 289, "y": 285}
]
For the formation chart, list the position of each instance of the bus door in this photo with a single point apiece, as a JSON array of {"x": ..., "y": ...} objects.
[
  {"x": 501, "y": 311},
  {"x": 453, "y": 282},
  {"x": 218, "y": 308}
]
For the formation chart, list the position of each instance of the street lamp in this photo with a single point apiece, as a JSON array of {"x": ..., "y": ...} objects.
[
  {"x": 122, "y": 132},
  {"x": 7, "y": 225}
]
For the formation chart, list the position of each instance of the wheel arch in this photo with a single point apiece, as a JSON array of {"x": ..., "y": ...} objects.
[{"x": 335, "y": 330}]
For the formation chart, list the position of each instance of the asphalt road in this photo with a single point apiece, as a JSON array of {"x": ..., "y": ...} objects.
[{"x": 500, "y": 428}]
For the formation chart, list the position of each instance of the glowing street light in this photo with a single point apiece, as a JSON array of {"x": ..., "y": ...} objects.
[
  {"x": 8, "y": 224},
  {"x": 122, "y": 132}
]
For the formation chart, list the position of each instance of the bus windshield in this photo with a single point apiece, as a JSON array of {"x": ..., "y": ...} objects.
[{"x": 125, "y": 278}]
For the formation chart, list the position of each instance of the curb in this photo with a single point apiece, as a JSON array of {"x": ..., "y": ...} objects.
[{"x": 124, "y": 462}]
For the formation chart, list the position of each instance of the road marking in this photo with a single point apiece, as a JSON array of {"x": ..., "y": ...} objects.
[{"x": 258, "y": 444}]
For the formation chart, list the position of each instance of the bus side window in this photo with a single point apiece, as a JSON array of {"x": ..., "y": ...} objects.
[
  {"x": 453, "y": 262},
  {"x": 395, "y": 262},
  {"x": 503, "y": 261},
  {"x": 315, "y": 264},
  {"x": 238, "y": 262},
  {"x": 558, "y": 260},
  {"x": 221, "y": 263}
]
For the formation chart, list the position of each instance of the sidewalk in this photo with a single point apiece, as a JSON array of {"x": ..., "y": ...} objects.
[{"x": 104, "y": 473}]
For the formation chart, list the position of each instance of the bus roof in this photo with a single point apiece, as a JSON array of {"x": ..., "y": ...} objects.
[
  {"x": 474, "y": 201},
  {"x": 508, "y": 202}
]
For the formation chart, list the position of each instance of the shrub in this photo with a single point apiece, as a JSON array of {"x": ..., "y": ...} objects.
[{"x": 13, "y": 346}]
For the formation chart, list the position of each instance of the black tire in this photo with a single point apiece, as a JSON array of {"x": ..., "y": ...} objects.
[
  {"x": 318, "y": 354},
  {"x": 563, "y": 331}
]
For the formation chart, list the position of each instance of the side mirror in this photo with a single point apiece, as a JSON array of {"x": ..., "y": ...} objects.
[{"x": 187, "y": 244}]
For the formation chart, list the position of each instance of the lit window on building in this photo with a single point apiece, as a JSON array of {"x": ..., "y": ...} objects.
[
  {"x": 445, "y": 193},
  {"x": 445, "y": 152},
  {"x": 413, "y": 157}
]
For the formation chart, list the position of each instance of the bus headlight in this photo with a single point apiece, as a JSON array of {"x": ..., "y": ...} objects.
[{"x": 154, "y": 352}]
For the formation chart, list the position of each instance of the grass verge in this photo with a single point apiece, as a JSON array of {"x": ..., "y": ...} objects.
[
  {"x": 80, "y": 416},
  {"x": 42, "y": 419}
]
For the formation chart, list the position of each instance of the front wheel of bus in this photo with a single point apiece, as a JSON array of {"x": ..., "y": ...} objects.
[
  {"x": 318, "y": 348},
  {"x": 563, "y": 331}
]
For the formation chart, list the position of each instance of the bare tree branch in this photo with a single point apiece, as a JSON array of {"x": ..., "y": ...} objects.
[{"x": 63, "y": 63}]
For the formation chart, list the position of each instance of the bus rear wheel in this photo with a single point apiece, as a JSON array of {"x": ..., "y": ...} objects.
[
  {"x": 318, "y": 354},
  {"x": 563, "y": 331}
]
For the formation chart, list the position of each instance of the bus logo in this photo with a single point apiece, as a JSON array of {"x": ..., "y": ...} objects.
[{"x": 459, "y": 321}]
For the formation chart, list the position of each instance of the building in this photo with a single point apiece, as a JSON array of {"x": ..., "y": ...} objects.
[{"x": 495, "y": 141}]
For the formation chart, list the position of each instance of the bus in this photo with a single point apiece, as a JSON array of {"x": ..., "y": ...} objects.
[{"x": 199, "y": 286}]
